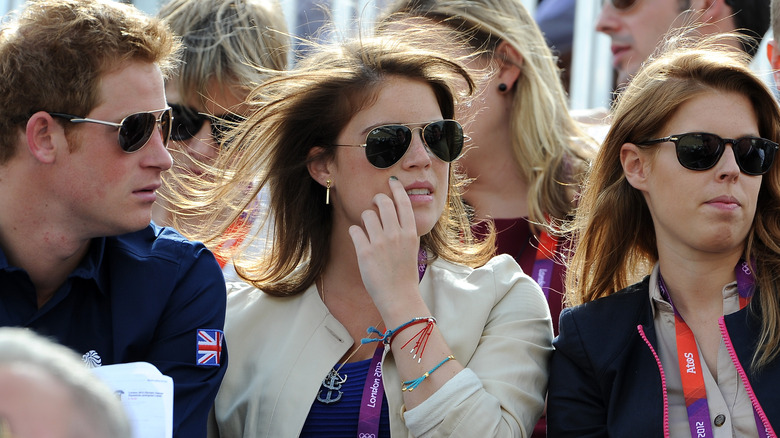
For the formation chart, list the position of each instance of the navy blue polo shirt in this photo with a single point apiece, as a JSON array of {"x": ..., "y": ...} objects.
[{"x": 149, "y": 296}]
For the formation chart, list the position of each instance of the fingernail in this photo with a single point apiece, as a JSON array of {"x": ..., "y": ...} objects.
[{"x": 392, "y": 178}]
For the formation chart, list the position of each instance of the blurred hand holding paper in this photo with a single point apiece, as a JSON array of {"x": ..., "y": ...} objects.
[{"x": 146, "y": 394}]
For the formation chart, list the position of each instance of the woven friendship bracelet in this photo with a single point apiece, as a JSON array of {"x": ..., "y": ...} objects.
[
  {"x": 409, "y": 385},
  {"x": 388, "y": 335}
]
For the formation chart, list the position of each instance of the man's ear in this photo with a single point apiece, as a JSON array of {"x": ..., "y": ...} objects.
[
  {"x": 45, "y": 137},
  {"x": 510, "y": 64},
  {"x": 715, "y": 12},
  {"x": 319, "y": 166},
  {"x": 635, "y": 165}
]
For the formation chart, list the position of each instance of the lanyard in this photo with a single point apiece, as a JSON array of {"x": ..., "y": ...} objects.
[
  {"x": 373, "y": 394},
  {"x": 690, "y": 364},
  {"x": 238, "y": 230},
  {"x": 544, "y": 264},
  {"x": 374, "y": 388}
]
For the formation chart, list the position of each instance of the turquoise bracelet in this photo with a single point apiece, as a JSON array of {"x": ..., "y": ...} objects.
[{"x": 409, "y": 385}]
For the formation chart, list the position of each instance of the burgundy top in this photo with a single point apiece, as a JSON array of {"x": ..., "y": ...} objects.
[{"x": 514, "y": 237}]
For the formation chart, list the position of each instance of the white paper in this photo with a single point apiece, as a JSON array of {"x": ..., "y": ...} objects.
[{"x": 146, "y": 394}]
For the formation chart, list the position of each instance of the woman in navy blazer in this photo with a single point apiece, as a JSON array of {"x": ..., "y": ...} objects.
[{"x": 685, "y": 193}]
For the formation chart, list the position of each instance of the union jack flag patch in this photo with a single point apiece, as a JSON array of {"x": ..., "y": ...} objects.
[{"x": 209, "y": 347}]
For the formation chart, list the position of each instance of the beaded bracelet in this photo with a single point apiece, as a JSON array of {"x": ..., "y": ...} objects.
[{"x": 409, "y": 385}]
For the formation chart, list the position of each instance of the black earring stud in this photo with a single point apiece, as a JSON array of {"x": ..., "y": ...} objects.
[{"x": 502, "y": 87}]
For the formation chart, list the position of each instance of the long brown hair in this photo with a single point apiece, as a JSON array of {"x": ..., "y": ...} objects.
[
  {"x": 306, "y": 108},
  {"x": 613, "y": 227}
]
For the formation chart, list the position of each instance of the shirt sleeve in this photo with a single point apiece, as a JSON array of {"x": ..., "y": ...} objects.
[
  {"x": 189, "y": 344},
  {"x": 502, "y": 391}
]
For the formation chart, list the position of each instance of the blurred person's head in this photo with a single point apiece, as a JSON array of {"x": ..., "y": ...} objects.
[
  {"x": 638, "y": 27},
  {"x": 47, "y": 391},
  {"x": 229, "y": 46}
]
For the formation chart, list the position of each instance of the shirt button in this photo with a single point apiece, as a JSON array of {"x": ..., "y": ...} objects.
[{"x": 719, "y": 420}]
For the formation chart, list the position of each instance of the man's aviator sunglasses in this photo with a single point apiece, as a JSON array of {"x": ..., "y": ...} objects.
[
  {"x": 135, "y": 130},
  {"x": 701, "y": 151},
  {"x": 188, "y": 121},
  {"x": 385, "y": 145}
]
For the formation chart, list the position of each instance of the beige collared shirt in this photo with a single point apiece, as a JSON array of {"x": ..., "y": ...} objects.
[{"x": 731, "y": 413}]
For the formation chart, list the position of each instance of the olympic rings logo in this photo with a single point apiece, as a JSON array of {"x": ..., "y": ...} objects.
[{"x": 366, "y": 435}]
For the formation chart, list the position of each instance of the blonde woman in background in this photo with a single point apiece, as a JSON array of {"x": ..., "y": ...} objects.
[
  {"x": 527, "y": 155},
  {"x": 229, "y": 47}
]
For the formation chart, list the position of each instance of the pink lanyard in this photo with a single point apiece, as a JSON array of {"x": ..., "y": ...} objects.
[
  {"x": 374, "y": 388},
  {"x": 690, "y": 366}
]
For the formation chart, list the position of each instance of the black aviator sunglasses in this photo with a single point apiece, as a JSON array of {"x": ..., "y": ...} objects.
[
  {"x": 385, "y": 145},
  {"x": 188, "y": 121},
  {"x": 135, "y": 130},
  {"x": 701, "y": 151}
]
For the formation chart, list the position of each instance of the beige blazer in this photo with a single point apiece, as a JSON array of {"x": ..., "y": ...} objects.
[{"x": 494, "y": 318}]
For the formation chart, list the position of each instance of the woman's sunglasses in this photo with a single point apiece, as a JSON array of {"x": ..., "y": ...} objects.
[
  {"x": 701, "y": 151},
  {"x": 385, "y": 145},
  {"x": 188, "y": 121},
  {"x": 135, "y": 130}
]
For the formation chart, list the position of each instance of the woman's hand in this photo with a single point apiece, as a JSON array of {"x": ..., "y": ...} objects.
[{"x": 387, "y": 246}]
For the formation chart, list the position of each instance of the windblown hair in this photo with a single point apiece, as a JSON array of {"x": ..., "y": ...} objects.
[
  {"x": 230, "y": 41},
  {"x": 99, "y": 412},
  {"x": 551, "y": 150},
  {"x": 613, "y": 227},
  {"x": 305, "y": 108},
  {"x": 53, "y": 55}
]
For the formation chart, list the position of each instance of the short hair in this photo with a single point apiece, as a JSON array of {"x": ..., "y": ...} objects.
[
  {"x": 551, "y": 150},
  {"x": 613, "y": 227},
  {"x": 54, "y": 53},
  {"x": 97, "y": 405},
  {"x": 308, "y": 107},
  {"x": 231, "y": 41},
  {"x": 751, "y": 18}
]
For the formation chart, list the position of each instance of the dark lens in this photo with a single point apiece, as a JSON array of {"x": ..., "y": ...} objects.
[
  {"x": 385, "y": 145},
  {"x": 754, "y": 155},
  {"x": 136, "y": 130},
  {"x": 186, "y": 122},
  {"x": 220, "y": 125},
  {"x": 622, "y": 4},
  {"x": 444, "y": 139},
  {"x": 165, "y": 126},
  {"x": 699, "y": 151}
]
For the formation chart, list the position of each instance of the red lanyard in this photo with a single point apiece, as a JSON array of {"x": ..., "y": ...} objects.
[
  {"x": 691, "y": 371},
  {"x": 544, "y": 264}
]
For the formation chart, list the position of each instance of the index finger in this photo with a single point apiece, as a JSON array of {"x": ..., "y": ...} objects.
[{"x": 402, "y": 204}]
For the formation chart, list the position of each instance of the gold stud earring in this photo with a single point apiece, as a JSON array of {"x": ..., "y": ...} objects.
[{"x": 327, "y": 192}]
